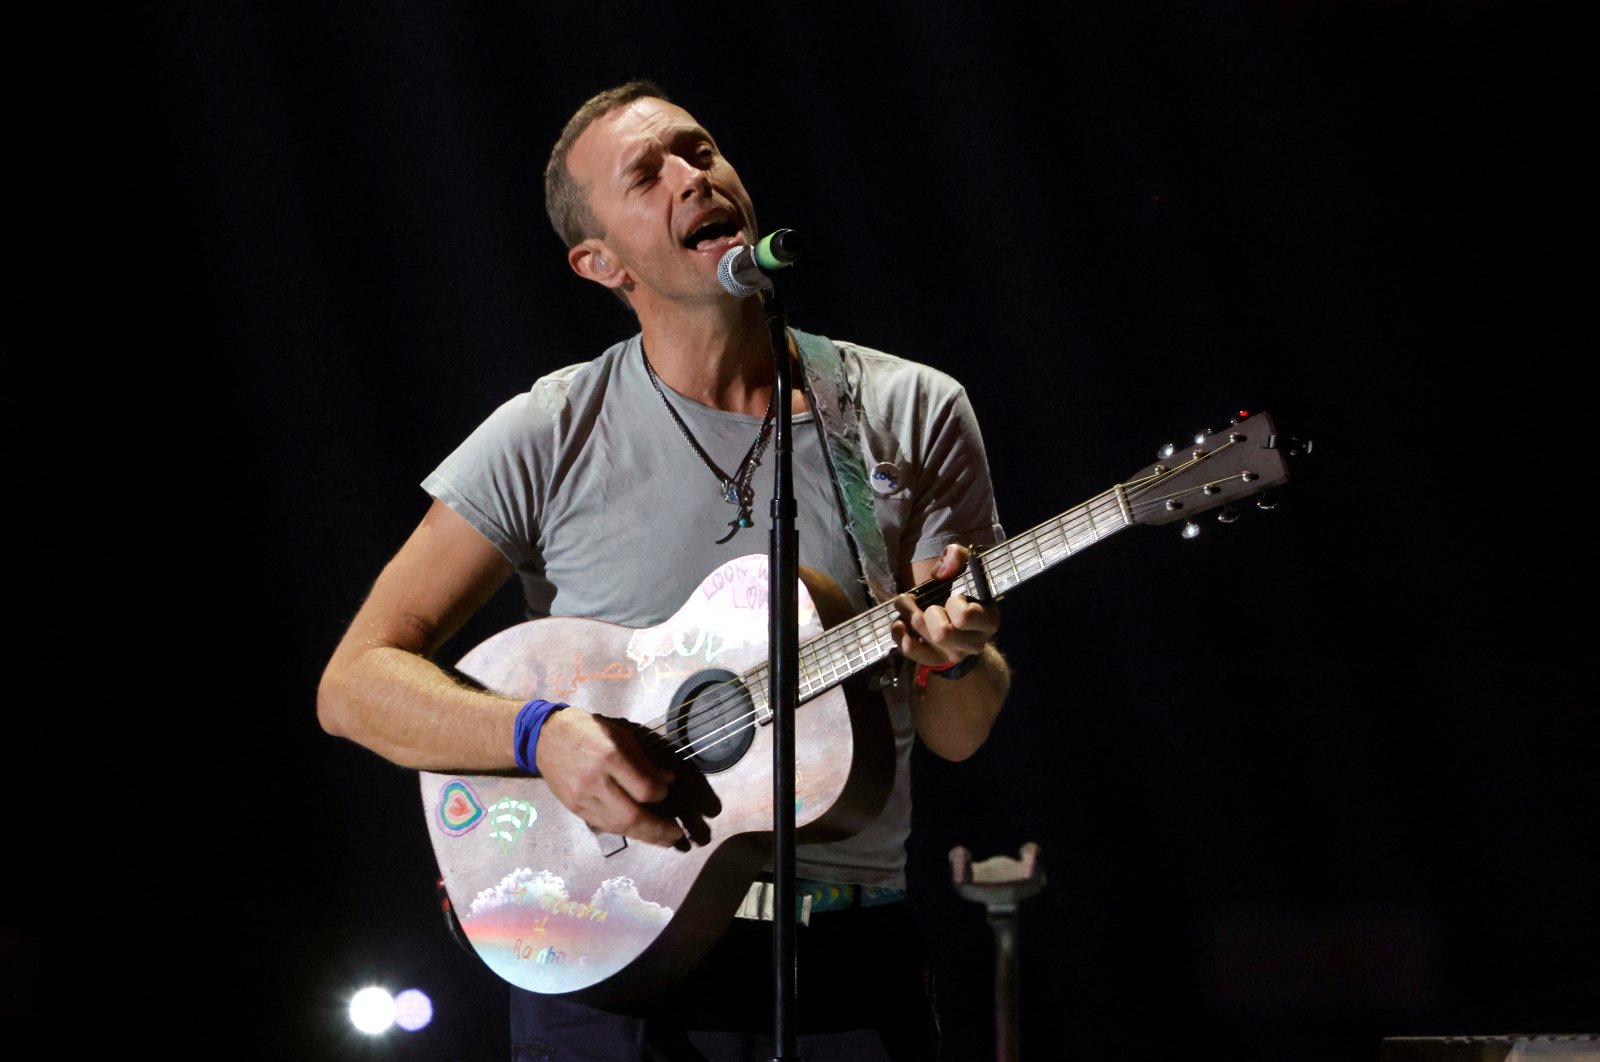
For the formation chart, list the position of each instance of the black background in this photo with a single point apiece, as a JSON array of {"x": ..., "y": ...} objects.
[{"x": 1320, "y": 777}]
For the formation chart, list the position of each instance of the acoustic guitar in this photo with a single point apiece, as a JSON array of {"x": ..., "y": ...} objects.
[{"x": 554, "y": 906}]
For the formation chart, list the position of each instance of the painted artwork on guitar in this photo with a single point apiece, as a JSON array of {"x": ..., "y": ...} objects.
[{"x": 554, "y": 906}]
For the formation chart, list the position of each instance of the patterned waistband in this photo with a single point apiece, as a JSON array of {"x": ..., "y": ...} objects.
[{"x": 815, "y": 897}]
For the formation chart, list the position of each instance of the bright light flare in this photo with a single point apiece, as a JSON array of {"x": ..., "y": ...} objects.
[
  {"x": 413, "y": 1009},
  {"x": 372, "y": 1010}
]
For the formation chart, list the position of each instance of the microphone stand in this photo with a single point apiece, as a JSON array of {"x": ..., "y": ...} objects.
[{"x": 783, "y": 656}]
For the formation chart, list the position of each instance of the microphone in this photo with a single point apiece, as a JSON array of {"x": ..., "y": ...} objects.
[{"x": 743, "y": 271}]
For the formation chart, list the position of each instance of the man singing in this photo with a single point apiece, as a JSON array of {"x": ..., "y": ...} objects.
[{"x": 610, "y": 489}]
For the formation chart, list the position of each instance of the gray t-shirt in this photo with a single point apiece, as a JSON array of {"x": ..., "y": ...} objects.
[{"x": 587, "y": 487}]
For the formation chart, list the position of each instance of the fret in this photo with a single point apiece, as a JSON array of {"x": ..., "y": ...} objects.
[
  {"x": 1038, "y": 552},
  {"x": 758, "y": 698},
  {"x": 1063, "y": 536},
  {"x": 1000, "y": 565},
  {"x": 1081, "y": 538},
  {"x": 1069, "y": 545}
]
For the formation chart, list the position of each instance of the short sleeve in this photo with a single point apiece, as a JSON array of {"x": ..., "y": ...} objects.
[
  {"x": 492, "y": 479},
  {"x": 513, "y": 478},
  {"x": 953, "y": 500}
]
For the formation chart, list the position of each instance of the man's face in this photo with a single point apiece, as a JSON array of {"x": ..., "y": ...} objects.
[{"x": 666, "y": 203}]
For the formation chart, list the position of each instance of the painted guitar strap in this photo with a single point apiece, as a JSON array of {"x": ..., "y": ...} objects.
[{"x": 839, "y": 421}]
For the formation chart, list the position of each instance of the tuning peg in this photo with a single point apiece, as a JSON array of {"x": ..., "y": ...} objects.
[
  {"x": 1203, "y": 434},
  {"x": 1166, "y": 451},
  {"x": 1228, "y": 514},
  {"x": 1266, "y": 503},
  {"x": 1190, "y": 529}
]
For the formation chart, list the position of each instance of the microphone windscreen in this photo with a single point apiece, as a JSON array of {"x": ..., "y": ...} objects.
[{"x": 739, "y": 275}]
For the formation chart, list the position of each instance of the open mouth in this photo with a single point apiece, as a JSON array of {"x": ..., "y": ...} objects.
[{"x": 707, "y": 236}]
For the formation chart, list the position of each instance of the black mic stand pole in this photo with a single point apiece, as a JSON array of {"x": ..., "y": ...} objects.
[{"x": 783, "y": 658}]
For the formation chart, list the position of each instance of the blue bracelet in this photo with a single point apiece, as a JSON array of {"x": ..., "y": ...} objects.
[{"x": 525, "y": 735}]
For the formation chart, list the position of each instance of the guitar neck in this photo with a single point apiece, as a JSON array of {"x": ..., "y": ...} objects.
[
  {"x": 1016, "y": 560},
  {"x": 864, "y": 640}
]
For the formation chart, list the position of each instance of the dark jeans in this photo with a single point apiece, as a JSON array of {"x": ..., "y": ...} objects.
[{"x": 865, "y": 988}]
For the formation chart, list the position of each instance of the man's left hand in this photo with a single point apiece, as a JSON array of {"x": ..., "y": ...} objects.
[{"x": 944, "y": 634}]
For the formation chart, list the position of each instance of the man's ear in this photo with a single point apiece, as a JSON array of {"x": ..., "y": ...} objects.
[{"x": 592, "y": 261}]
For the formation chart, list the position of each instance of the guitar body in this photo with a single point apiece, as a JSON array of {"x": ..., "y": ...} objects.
[{"x": 554, "y": 907}]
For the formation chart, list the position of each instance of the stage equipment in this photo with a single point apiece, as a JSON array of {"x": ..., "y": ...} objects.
[{"x": 1001, "y": 883}]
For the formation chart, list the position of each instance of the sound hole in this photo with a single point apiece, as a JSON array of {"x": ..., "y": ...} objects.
[{"x": 713, "y": 720}]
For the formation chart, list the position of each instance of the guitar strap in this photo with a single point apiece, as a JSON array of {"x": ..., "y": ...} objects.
[{"x": 838, "y": 419}]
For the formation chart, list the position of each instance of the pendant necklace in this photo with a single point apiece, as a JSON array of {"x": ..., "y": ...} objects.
[{"x": 735, "y": 489}]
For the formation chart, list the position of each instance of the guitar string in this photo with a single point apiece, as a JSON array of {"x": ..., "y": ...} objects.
[
  {"x": 823, "y": 651},
  {"x": 719, "y": 713},
  {"x": 1057, "y": 536},
  {"x": 731, "y": 727},
  {"x": 732, "y": 695}
]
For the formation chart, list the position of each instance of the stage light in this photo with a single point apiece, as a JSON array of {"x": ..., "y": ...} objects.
[
  {"x": 372, "y": 1011},
  {"x": 413, "y": 1009}
]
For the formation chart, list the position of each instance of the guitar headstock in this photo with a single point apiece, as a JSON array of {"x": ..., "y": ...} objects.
[{"x": 1217, "y": 469}]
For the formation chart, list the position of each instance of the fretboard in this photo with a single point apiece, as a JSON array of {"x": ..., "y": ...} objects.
[{"x": 862, "y": 641}]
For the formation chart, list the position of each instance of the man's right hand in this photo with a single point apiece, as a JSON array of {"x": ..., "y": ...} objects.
[{"x": 597, "y": 770}]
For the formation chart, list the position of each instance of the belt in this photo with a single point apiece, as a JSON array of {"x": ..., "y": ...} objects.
[{"x": 814, "y": 897}]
